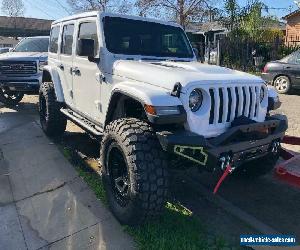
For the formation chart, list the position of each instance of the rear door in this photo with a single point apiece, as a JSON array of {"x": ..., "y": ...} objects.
[
  {"x": 292, "y": 68},
  {"x": 66, "y": 60},
  {"x": 86, "y": 84}
]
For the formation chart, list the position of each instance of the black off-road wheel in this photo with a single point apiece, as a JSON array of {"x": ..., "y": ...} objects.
[
  {"x": 133, "y": 170},
  {"x": 53, "y": 122},
  {"x": 257, "y": 168},
  {"x": 10, "y": 98}
]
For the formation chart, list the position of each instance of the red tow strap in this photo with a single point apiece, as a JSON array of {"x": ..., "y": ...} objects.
[{"x": 227, "y": 171}]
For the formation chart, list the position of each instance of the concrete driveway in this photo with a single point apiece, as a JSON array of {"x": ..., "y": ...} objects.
[{"x": 43, "y": 202}]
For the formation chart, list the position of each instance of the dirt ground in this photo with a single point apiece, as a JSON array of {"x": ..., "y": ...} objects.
[{"x": 272, "y": 202}]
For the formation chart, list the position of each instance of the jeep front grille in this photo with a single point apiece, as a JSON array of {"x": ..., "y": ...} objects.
[
  {"x": 18, "y": 68},
  {"x": 227, "y": 103}
]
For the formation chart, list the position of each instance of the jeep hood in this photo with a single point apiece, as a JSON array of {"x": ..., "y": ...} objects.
[
  {"x": 165, "y": 74},
  {"x": 24, "y": 56}
]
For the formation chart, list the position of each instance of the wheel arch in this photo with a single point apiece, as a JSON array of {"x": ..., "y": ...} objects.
[
  {"x": 51, "y": 75},
  {"x": 117, "y": 101},
  {"x": 281, "y": 74},
  {"x": 140, "y": 94}
]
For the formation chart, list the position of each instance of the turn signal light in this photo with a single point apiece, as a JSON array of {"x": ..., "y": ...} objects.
[
  {"x": 162, "y": 110},
  {"x": 150, "y": 109}
]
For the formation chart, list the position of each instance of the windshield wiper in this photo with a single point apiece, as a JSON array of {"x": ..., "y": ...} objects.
[
  {"x": 176, "y": 60},
  {"x": 153, "y": 59}
]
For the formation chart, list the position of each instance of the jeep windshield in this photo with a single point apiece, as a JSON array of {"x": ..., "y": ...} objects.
[
  {"x": 134, "y": 37},
  {"x": 33, "y": 45}
]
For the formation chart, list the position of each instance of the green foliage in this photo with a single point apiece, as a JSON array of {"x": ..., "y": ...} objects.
[
  {"x": 252, "y": 20},
  {"x": 286, "y": 50},
  {"x": 94, "y": 181},
  {"x": 176, "y": 229},
  {"x": 250, "y": 24},
  {"x": 232, "y": 10}
]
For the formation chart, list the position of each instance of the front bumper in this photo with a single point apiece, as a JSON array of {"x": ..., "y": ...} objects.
[
  {"x": 27, "y": 84},
  {"x": 242, "y": 143}
]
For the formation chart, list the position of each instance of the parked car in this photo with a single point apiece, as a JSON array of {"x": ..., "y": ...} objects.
[
  {"x": 135, "y": 84},
  {"x": 4, "y": 50},
  {"x": 284, "y": 74},
  {"x": 21, "y": 69}
]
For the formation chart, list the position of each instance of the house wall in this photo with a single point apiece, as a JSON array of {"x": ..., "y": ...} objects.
[
  {"x": 293, "y": 30},
  {"x": 8, "y": 42}
]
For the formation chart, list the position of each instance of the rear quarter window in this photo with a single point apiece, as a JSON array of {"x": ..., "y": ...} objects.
[
  {"x": 53, "y": 45},
  {"x": 67, "y": 39}
]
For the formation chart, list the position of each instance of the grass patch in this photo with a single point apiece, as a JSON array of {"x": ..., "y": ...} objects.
[
  {"x": 177, "y": 228},
  {"x": 94, "y": 182}
]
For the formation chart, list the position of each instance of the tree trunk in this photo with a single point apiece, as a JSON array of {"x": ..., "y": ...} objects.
[{"x": 181, "y": 12}]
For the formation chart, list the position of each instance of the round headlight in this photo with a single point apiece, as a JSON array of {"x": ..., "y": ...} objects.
[
  {"x": 195, "y": 100},
  {"x": 262, "y": 94}
]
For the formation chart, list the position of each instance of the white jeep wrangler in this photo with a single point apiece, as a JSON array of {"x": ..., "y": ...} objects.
[{"x": 136, "y": 84}]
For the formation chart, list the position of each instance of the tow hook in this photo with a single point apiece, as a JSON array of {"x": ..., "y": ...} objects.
[
  {"x": 225, "y": 161},
  {"x": 227, "y": 167},
  {"x": 275, "y": 147}
]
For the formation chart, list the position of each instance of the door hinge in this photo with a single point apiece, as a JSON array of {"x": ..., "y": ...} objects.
[
  {"x": 100, "y": 77},
  {"x": 98, "y": 106}
]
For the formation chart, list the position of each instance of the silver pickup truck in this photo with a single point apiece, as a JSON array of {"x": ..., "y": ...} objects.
[{"x": 21, "y": 69}]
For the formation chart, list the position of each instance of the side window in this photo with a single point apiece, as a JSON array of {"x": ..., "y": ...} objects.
[
  {"x": 67, "y": 39},
  {"x": 89, "y": 31},
  {"x": 297, "y": 58},
  {"x": 294, "y": 58},
  {"x": 53, "y": 45}
]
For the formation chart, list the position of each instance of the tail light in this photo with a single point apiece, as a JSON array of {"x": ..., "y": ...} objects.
[{"x": 265, "y": 70}]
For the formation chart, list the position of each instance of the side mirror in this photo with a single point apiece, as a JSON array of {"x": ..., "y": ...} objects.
[
  {"x": 11, "y": 50},
  {"x": 86, "y": 48},
  {"x": 93, "y": 59}
]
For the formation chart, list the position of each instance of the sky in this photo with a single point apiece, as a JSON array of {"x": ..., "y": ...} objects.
[{"x": 54, "y": 9}]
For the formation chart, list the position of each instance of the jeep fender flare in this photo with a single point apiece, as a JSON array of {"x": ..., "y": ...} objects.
[
  {"x": 142, "y": 93},
  {"x": 50, "y": 74}
]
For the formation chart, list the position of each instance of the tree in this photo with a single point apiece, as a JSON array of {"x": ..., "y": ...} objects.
[
  {"x": 232, "y": 10},
  {"x": 252, "y": 20},
  {"x": 183, "y": 11},
  {"x": 13, "y": 8},
  {"x": 86, "y": 5},
  {"x": 120, "y": 6}
]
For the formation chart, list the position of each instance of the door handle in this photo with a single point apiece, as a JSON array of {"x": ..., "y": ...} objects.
[
  {"x": 75, "y": 71},
  {"x": 61, "y": 66},
  {"x": 288, "y": 67}
]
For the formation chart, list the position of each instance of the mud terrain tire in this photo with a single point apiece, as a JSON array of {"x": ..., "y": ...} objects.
[
  {"x": 141, "y": 166},
  {"x": 52, "y": 120}
]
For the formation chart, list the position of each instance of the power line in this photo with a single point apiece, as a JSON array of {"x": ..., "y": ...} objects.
[
  {"x": 52, "y": 7},
  {"x": 40, "y": 9},
  {"x": 61, "y": 5}
]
